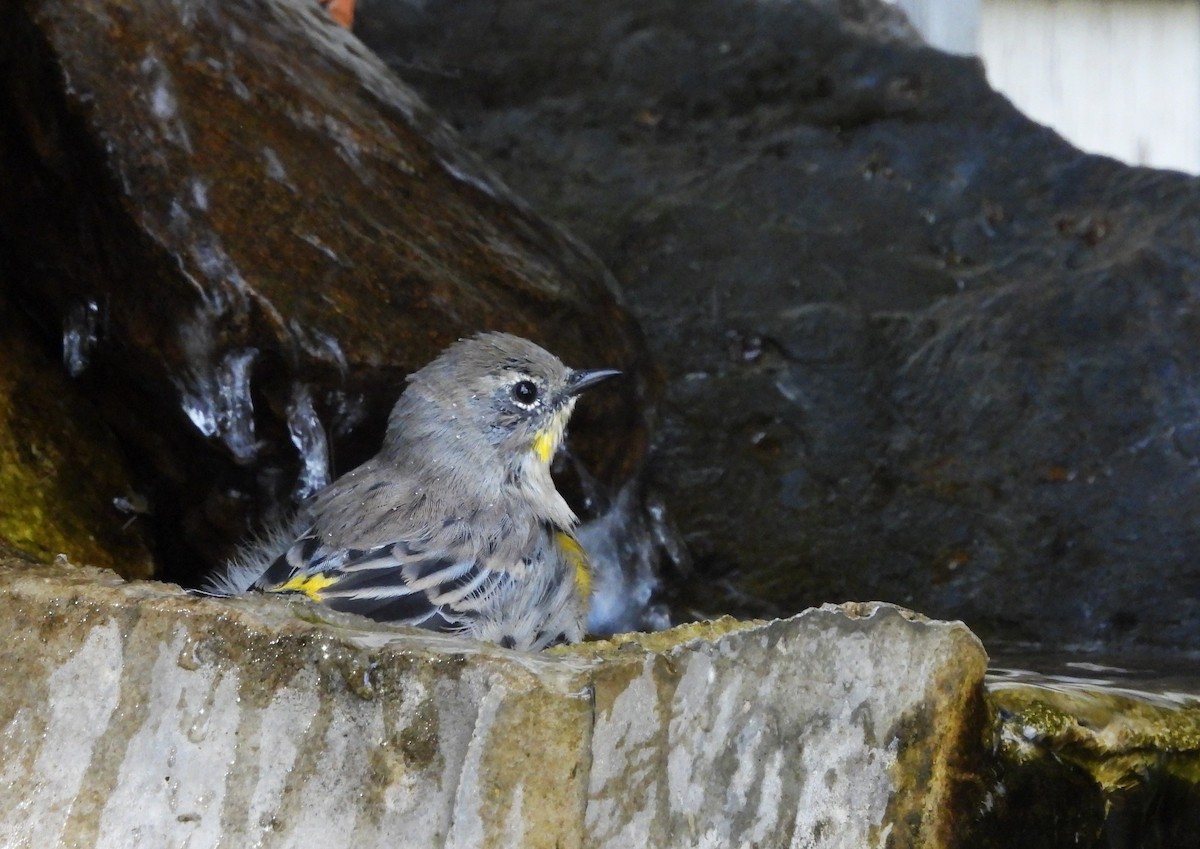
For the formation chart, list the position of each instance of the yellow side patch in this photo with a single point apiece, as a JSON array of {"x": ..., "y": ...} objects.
[
  {"x": 310, "y": 585},
  {"x": 577, "y": 558},
  {"x": 544, "y": 445}
]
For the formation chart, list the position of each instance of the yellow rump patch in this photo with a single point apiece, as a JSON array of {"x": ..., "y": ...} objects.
[
  {"x": 310, "y": 585},
  {"x": 577, "y": 558}
]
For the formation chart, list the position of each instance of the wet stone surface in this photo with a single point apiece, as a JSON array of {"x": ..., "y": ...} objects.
[{"x": 917, "y": 347}]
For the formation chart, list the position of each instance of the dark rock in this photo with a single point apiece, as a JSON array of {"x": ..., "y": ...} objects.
[
  {"x": 917, "y": 347},
  {"x": 252, "y": 232}
]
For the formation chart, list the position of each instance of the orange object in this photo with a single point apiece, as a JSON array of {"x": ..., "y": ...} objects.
[{"x": 341, "y": 11}]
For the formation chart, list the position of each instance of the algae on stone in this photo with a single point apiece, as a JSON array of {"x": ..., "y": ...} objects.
[
  {"x": 60, "y": 470},
  {"x": 1082, "y": 763}
]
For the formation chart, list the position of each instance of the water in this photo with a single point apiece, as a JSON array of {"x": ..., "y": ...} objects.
[
  {"x": 624, "y": 544},
  {"x": 1094, "y": 750},
  {"x": 81, "y": 330},
  {"x": 216, "y": 395},
  {"x": 1168, "y": 681},
  {"x": 308, "y": 435}
]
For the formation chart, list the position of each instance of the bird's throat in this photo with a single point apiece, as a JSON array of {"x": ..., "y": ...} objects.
[
  {"x": 547, "y": 440},
  {"x": 544, "y": 445}
]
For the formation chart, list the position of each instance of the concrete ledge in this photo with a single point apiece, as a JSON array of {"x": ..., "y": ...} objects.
[{"x": 135, "y": 715}]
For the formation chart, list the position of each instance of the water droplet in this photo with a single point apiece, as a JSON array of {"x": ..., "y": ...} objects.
[
  {"x": 216, "y": 395},
  {"x": 80, "y": 333},
  {"x": 624, "y": 546},
  {"x": 309, "y": 438}
]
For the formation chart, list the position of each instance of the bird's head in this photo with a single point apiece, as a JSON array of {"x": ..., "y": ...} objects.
[{"x": 500, "y": 390}]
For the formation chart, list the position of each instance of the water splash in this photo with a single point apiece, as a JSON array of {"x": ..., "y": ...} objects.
[
  {"x": 326, "y": 251},
  {"x": 275, "y": 169},
  {"x": 476, "y": 178},
  {"x": 320, "y": 346},
  {"x": 164, "y": 105},
  {"x": 240, "y": 90},
  {"x": 208, "y": 252},
  {"x": 132, "y": 505},
  {"x": 347, "y": 144},
  {"x": 624, "y": 546},
  {"x": 309, "y": 438},
  {"x": 200, "y": 194},
  {"x": 80, "y": 333},
  {"x": 350, "y": 410},
  {"x": 215, "y": 393}
]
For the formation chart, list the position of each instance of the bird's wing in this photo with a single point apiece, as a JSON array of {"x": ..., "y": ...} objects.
[
  {"x": 411, "y": 566},
  {"x": 399, "y": 582}
]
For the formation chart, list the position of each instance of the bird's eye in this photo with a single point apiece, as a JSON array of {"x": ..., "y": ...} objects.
[{"x": 525, "y": 392}]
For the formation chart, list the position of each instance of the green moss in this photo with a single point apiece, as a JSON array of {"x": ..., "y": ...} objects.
[
  {"x": 1099, "y": 760},
  {"x": 59, "y": 469},
  {"x": 658, "y": 641}
]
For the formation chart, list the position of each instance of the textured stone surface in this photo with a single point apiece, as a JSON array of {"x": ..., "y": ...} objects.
[
  {"x": 917, "y": 347},
  {"x": 845, "y": 726},
  {"x": 136, "y": 716},
  {"x": 133, "y": 715}
]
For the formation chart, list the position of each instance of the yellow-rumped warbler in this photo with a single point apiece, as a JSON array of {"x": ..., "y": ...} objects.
[{"x": 455, "y": 525}]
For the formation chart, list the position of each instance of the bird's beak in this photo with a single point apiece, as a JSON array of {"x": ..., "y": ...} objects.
[{"x": 581, "y": 380}]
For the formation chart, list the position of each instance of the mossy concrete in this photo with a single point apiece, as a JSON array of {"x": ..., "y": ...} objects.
[{"x": 137, "y": 715}]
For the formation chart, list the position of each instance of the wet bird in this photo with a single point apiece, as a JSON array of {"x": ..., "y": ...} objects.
[{"x": 455, "y": 525}]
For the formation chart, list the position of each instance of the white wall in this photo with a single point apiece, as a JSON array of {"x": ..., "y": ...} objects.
[
  {"x": 1120, "y": 77},
  {"x": 950, "y": 25}
]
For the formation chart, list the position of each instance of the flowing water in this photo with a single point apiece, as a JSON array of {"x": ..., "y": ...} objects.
[{"x": 1095, "y": 750}]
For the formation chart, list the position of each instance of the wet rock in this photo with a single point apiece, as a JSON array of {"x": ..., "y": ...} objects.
[
  {"x": 1094, "y": 759},
  {"x": 246, "y": 232},
  {"x": 917, "y": 347},
  {"x": 64, "y": 488},
  {"x": 234, "y": 722}
]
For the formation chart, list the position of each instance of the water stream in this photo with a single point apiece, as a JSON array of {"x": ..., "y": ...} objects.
[{"x": 1097, "y": 750}]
